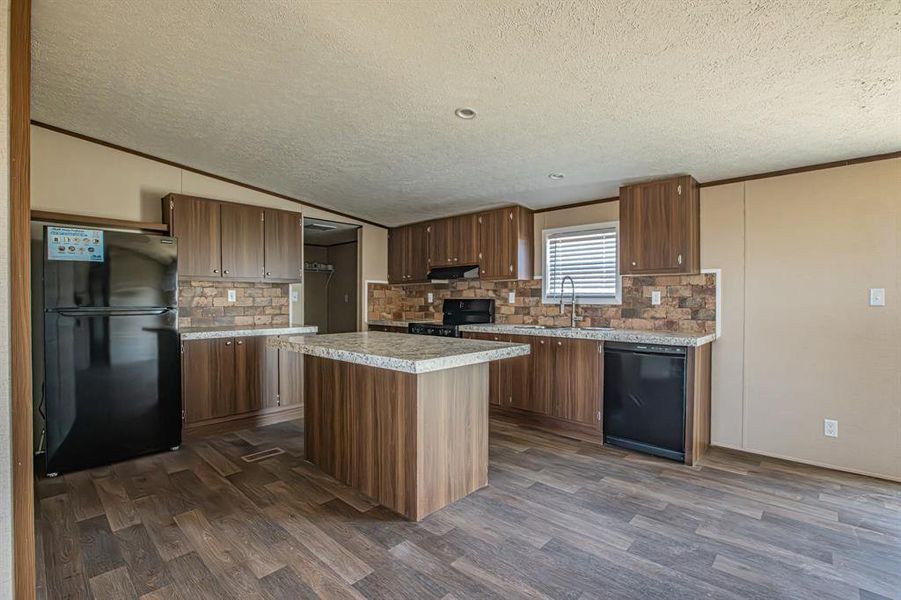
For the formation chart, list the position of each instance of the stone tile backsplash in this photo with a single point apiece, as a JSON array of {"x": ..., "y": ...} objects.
[
  {"x": 688, "y": 303},
  {"x": 205, "y": 304}
]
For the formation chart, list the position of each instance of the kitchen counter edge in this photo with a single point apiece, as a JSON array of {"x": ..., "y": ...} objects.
[
  {"x": 210, "y": 333},
  {"x": 635, "y": 336}
]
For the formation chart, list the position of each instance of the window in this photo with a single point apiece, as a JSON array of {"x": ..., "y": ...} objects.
[{"x": 588, "y": 254}]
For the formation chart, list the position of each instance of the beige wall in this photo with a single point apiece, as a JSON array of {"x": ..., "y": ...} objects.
[
  {"x": 5, "y": 438},
  {"x": 799, "y": 343},
  {"x": 567, "y": 217},
  {"x": 75, "y": 176}
]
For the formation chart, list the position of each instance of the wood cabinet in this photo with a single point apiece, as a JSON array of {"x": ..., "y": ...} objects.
[
  {"x": 505, "y": 243},
  {"x": 578, "y": 397},
  {"x": 660, "y": 227},
  {"x": 408, "y": 254},
  {"x": 465, "y": 244},
  {"x": 440, "y": 243},
  {"x": 542, "y": 377},
  {"x": 559, "y": 383},
  {"x": 499, "y": 242},
  {"x": 238, "y": 382},
  {"x": 290, "y": 378},
  {"x": 225, "y": 240},
  {"x": 498, "y": 372},
  {"x": 206, "y": 393},
  {"x": 195, "y": 222},
  {"x": 252, "y": 373},
  {"x": 283, "y": 239},
  {"x": 241, "y": 230},
  {"x": 454, "y": 241}
]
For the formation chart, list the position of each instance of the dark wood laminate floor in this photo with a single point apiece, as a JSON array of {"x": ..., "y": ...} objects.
[{"x": 560, "y": 519}]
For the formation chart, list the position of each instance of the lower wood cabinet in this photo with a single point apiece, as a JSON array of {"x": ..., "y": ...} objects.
[
  {"x": 560, "y": 381},
  {"x": 239, "y": 382}
]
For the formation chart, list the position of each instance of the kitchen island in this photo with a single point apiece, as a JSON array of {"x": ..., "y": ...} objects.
[{"x": 401, "y": 418}]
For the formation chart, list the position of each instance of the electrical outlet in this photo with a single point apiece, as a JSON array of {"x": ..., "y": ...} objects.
[
  {"x": 295, "y": 296},
  {"x": 655, "y": 298},
  {"x": 877, "y": 296},
  {"x": 232, "y": 295},
  {"x": 830, "y": 428},
  {"x": 430, "y": 297},
  {"x": 511, "y": 297}
]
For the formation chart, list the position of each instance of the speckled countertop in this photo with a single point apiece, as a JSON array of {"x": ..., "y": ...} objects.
[
  {"x": 400, "y": 351},
  {"x": 208, "y": 333},
  {"x": 662, "y": 338},
  {"x": 387, "y": 323}
]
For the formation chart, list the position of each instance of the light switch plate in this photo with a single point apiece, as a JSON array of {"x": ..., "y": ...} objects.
[
  {"x": 655, "y": 297},
  {"x": 294, "y": 296},
  {"x": 830, "y": 428},
  {"x": 430, "y": 298},
  {"x": 877, "y": 296},
  {"x": 511, "y": 297},
  {"x": 232, "y": 295}
]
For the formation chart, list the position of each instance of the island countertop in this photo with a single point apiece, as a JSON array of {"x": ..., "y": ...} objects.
[{"x": 400, "y": 351}]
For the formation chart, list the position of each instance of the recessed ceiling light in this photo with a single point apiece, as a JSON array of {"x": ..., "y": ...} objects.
[
  {"x": 465, "y": 113},
  {"x": 556, "y": 176}
]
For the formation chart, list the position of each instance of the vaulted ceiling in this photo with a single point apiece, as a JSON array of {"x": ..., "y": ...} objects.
[{"x": 350, "y": 104}]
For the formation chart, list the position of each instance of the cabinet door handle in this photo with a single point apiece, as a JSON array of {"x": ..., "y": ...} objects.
[
  {"x": 240, "y": 342},
  {"x": 559, "y": 343},
  {"x": 679, "y": 259},
  {"x": 228, "y": 343},
  {"x": 541, "y": 342},
  {"x": 634, "y": 264},
  {"x": 215, "y": 270},
  {"x": 225, "y": 272},
  {"x": 268, "y": 273}
]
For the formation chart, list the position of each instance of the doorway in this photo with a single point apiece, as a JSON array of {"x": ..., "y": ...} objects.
[{"x": 331, "y": 281}]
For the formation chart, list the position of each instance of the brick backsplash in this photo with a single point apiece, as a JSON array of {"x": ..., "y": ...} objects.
[
  {"x": 688, "y": 303},
  {"x": 205, "y": 304}
]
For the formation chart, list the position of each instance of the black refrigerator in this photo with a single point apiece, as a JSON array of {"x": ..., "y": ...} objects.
[{"x": 112, "y": 372}]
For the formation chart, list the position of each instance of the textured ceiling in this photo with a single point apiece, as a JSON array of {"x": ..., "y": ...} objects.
[{"x": 349, "y": 104}]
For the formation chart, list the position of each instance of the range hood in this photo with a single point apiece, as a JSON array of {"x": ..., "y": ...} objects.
[{"x": 455, "y": 272}]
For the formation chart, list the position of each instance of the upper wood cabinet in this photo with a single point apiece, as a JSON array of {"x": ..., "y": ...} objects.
[
  {"x": 408, "y": 254},
  {"x": 660, "y": 227},
  {"x": 283, "y": 245},
  {"x": 242, "y": 240},
  {"x": 465, "y": 245},
  {"x": 505, "y": 243},
  {"x": 234, "y": 241},
  {"x": 440, "y": 243},
  {"x": 454, "y": 241},
  {"x": 195, "y": 222},
  {"x": 499, "y": 242}
]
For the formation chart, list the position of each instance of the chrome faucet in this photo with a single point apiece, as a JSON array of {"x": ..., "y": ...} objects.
[{"x": 572, "y": 322}]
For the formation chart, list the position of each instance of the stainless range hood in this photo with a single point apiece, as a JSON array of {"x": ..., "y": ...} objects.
[{"x": 449, "y": 273}]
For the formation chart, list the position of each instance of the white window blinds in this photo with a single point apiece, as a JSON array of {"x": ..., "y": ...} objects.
[{"x": 588, "y": 255}]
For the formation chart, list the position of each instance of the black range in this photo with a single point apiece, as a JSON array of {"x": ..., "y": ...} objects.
[{"x": 457, "y": 311}]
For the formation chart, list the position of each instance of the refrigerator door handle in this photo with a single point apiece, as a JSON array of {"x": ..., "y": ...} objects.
[{"x": 114, "y": 312}]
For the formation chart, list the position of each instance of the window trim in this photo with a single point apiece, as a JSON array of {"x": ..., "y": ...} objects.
[{"x": 617, "y": 298}]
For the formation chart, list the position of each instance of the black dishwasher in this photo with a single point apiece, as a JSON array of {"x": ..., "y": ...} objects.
[{"x": 644, "y": 398}]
